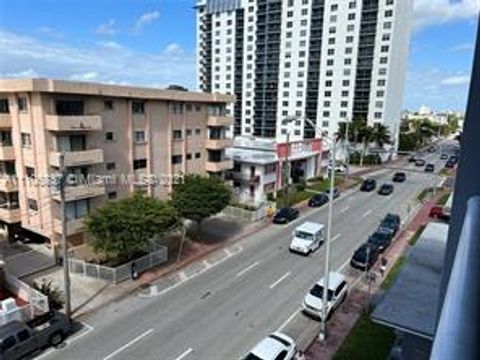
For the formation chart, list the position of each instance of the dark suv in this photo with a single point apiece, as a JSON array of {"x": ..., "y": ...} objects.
[
  {"x": 380, "y": 239},
  {"x": 285, "y": 215},
  {"x": 391, "y": 223},
  {"x": 399, "y": 177},
  {"x": 385, "y": 189},
  {"x": 365, "y": 257},
  {"x": 368, "y": 185},
  {"x": 430, "y": 168},
  {"x": 318, "y": 200}
]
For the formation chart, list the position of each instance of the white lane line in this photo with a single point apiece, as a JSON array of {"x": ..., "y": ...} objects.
[
  {"x": 247, "y": 269},
  {"x": 290, "y": 318},
  {"x": 367, "y": 213},
  {"x": 342, "y": 267},
  {"x": 206, "y": 264},
  {"x": 185, "y": 354},
  {"x": 336, "y": 237},
  {"x": 344, "y": 209},
  {"x": 280, "y": 280},
  {"x": 130, "y": 343}
]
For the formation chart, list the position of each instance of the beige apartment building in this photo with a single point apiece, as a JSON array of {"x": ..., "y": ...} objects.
[{"x": 114, "y": 134}]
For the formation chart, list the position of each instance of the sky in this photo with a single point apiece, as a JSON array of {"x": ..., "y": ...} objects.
[{"x": 152, "y": 43}]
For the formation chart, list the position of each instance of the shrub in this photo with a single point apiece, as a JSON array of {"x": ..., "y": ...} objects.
[{"x": 52, "y": 292}]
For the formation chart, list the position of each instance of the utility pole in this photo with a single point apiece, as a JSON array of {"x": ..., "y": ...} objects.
[
  {"x": 347, "y": 142},
  {"x": 326, "y": 277},
  {"x": 63, "y": 212},
  {"x": 367, "y": 277},
  {"x": 286, "y": 174}
]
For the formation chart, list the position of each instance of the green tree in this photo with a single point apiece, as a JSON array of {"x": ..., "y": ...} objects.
[
  {"x": 52, "y": 292},
  {"x": 125, "y": 228},
  {"x": 199, "y": 197},
  {"x": 380, "y": 135}
]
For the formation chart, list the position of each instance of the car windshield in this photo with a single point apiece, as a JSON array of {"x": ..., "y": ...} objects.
[
  {"x": 280, "y": 340},
  {"x": 317, "y": 291},
  {"x": 283, "y": 212},
  {"x": 390, "y": 218},
  {"x": 319, "y": 197},
  {"x": 304, "y": 235},
  {"x": 251, "y": 357}
]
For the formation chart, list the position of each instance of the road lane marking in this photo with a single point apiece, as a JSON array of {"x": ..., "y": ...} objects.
[
  {"x": 342, "y": 267},
  {"x": 130, "y": 343},
  {"x": 367, "y": 213},
  {"x": 280, "y": 280},
  {"x": 336, "y": 237},
  {"x": 184, "y": 354},
  {"x": 247, "y": 269},
  {"x": 344, "y": 209},
  {"x": 290, "y": 318}
]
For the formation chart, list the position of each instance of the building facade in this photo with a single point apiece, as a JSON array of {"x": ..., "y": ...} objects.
[
  {"x": 330, "y": 61},
  {"x": 112, "y": 139},
  {"x": 259, "y": 165}
]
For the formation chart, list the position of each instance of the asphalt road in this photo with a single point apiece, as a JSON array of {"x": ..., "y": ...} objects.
[{"x": 223, "y": 312}]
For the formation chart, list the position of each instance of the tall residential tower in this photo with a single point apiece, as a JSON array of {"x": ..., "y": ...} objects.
[{"x": 327, "y": 60}]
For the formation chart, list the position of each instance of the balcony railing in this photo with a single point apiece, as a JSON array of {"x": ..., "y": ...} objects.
[
  {"x": 458, "y": 331},
  {"x": 10, "y": 216},
  {"x": 220, "y": 120},
  {"x": 82, "y": 192},
  {"x": 8, "y": 183},
  {"x": 74, "y": 123},
  {"x": 218, "y": 143},
  {"x": 216, "y": 166},
  {"x": 77, "y": 158},
  {"x": 7, "y": 153},
  {"x": 5, "y": 121}
]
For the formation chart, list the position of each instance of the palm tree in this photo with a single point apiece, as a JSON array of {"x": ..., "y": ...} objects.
[
  {"x": 366, "y": 135},
  {"x": 381, "y": 135}
]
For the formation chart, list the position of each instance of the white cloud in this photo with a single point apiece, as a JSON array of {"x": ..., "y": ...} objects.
[
  {"x": 434, "y": 12},
  {"x": 456, "y": 80},
  {"x": 107, "y": 28},
  {"x": 107, "y": 62},
  {"x": 462, "y": 47},
  {"x": 146, "y": 19},
  {"x": 173, "y": 49},
  {"x": 51, "y": 31}
]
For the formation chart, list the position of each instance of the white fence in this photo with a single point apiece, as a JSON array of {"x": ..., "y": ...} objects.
[
  {"x": 37, "y": 302},
  {"x": 240, "y": 214},
  {"x": 117, "y": 274}
]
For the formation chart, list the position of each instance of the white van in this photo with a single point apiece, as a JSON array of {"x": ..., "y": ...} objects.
[{"x": 307, "y": 238}]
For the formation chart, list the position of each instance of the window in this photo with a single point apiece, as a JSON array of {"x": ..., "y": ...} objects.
[
  {"x": 350, "y": 27},
  {"x": 8, "y": 343},
  {"x": 139, "y": 136},
  {"x": 384, "y": 48},
  {"x": 177, "y": 134},
  {"x": 331, "y": 52},
  {"x": 139, "y": 164},
  {"x": 347, "y": 61},
  {"x": 382, "y": 71},
  {"x": 345, "y": 93},
  {"x": 378, "y": 115},
  {"x": 23, "y": 335},
  {"x": 334, "y": 7},
  {"x": 328, "y": 94},
  {"x": 345, "y": 82},
  {"x": 198, "y": 108},
  {"x": 188, "y": 107},
  {"x": 110, "y": 166},
  {"x": 328, "y": 83},
  {"x": 330, "y": 62},
  {"x": 352, "y": 5},
  {"x": 4, "y": 108},
  {"x": 344, "y": 104},
  {"x": 326, "y": 114},
  {"x": 348, "y": 50},
  {"x": 112, "y": 195},
  {"x": 387, "y": 25},
  {"x": 77, "y": 209},
  {"x": 22, "y": 104},
  {"x": 351, "y": 16},
  {"x": 26, "y": 140},
  {"x": 325, "y": 123},
  {"x": 383, "y": 60},
  {"x": 108, "y": 105},
  {"x": 381, "y": 82},
  {"x": 388, "y": 13},
  {"x": 198, "y": 132},
  {"x": 109, "y": 136},
  {"x": 385, "y": 37},
  {"x": 331, "y": 41},
  {"x": 189, "y": 156},
  {"x": 177, "y": 159},
  {"x": 30, "y": 172},
  {"x": 188, "y": 133},
  {"x": 32, "y": 204},
  {"x": 343, "y": 114},
  {"x": 198, "y": 155},
  {"x": 138, "y": 107}
]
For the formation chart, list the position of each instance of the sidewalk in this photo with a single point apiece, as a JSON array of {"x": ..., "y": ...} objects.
[{"x": 343, "y": 321}]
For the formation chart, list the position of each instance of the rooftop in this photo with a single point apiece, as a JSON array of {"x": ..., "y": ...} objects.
[
  {"x": 97, "y": 89},
  {"x": 411, "y": 304}
]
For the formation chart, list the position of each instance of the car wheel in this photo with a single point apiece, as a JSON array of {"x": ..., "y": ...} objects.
[{"x": 56, "y": 339}]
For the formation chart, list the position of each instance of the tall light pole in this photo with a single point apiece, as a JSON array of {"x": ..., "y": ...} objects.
[{"x": 326, "y": 277}]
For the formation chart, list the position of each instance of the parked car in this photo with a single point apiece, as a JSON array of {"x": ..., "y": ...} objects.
[
  {"x": 365, "y": 257},
  {"x": 318, "y": 200},
  {"x": 399, "y": 177},
  {"x": 307, "y": 238},
  {"x": 381, "y": 239},
  {"x": 18, "y": 339},
  {"x": 337, "y": 292},
  {"x": 430, "y": 168},
  {"x": 412, "y": 159},
  {"x": 449, "y": 165},
  {"x": 336, "y": 193},
  {"x": 437, "y": 212},
  {"x": 339, "y": 168},
  {"x": 274, "y": 347},
  {"x": 420, "y": 162},
  {"x": 432, "y": 149},
  {"x": 453, "y": 159},
  {"x": 444, "y": 157},
  {"x": 385, "y": 189},
  {"x": 285, "y": 215},
  {"x": 391, "y": 221},
  {"x": 368, "y": 185}
]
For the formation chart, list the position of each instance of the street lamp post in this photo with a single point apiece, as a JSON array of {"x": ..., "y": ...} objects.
[{"x": 326, "y": 277}]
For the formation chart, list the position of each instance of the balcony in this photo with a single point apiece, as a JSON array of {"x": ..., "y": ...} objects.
[
  {"x": 81, "y": 192},
  {"x": 10, "y": 216},
  {"x": 77, "y": 158},
  {"x": 218, "y": 144},
  {"x": 220, "y": 120},
  {"x": 5, "y": 121},
  {"x": 74, "y": 123},
  {"x": 73, "y": 226},
  {"x": 8, "y": 183},
  {"x": 211, "y": 166},
  {"x": 7, "y": 153}
]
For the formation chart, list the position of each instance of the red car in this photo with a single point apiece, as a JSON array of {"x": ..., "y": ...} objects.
[{"x": 437, "y": 212}]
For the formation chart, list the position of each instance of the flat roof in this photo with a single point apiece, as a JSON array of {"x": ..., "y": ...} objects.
[
  {"x": 310, "y": 227},
  {"x": 411, "y": 304},
  {"x": 98, "y": 89}
]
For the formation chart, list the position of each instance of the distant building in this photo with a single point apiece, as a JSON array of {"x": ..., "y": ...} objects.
[{"x": 326, "y": 60}]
